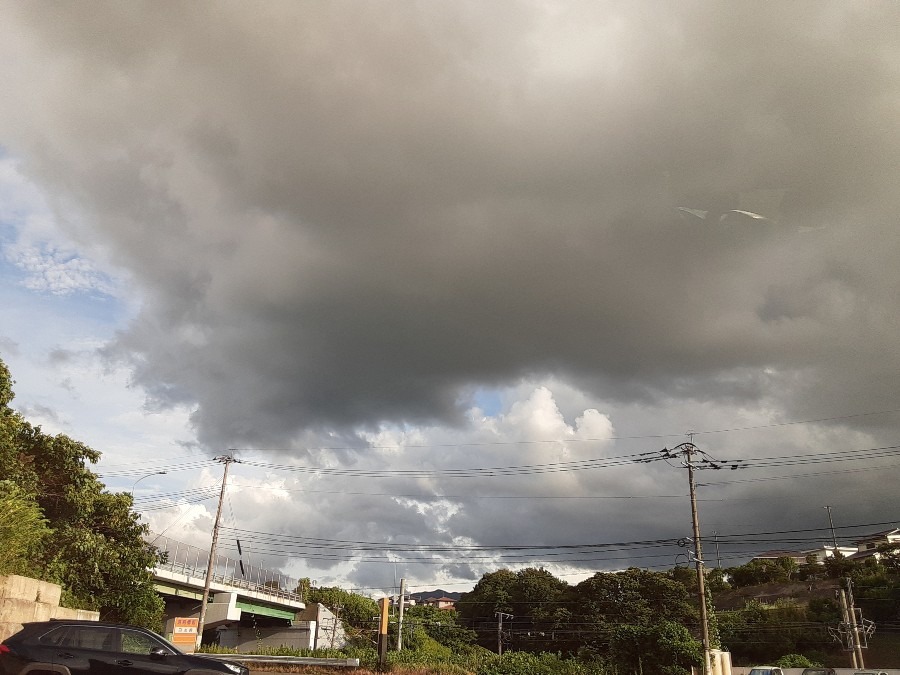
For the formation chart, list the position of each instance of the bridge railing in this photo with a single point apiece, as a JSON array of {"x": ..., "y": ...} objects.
[{"x": 182, "y": 558}]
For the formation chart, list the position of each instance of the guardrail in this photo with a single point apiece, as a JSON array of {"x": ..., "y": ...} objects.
[
  {"x": 286, "y": 660},
  {"x": 192, "y": 561}
]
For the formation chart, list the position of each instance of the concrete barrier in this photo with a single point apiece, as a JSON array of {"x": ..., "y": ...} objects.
[{"x": 23, "y": 599}]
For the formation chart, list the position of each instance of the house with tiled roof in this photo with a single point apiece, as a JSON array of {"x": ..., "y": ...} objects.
[{"x": 440, "y": 603}]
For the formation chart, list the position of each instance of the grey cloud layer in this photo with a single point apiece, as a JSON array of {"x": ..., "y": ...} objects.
[{"x": 350, "y": 213}]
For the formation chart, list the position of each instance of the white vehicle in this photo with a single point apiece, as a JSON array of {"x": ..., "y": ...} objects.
[{"x": 766, "y": 670}]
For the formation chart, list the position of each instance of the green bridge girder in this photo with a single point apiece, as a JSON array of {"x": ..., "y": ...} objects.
[
  {"x": 251, "y": 607},
  {"x": 262, "y": 610}
]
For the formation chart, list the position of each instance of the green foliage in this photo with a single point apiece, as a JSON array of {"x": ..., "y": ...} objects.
[
  {"x": 823, "y": 610},
  {"x": 523, "y": 663},
  {"x": 890, "y": 557},
  {"x": 758, "y": 572},
  {"x": 96, "y": 551},
  {"x": 716, "y": 581},
  {"x": 536, "y": 599},
  {"x": 439, "y": 625},
  {"x": 493, "y": 593},
  {"x": 876, "y": 589},
  {"x": 664, "y": 647},
  {"x": 23, "y": 530},
  {"x": 762, "y": 633},
  {"x": 355, "y": 611},
  {"x": 6, "y": 383},
  {"x": 788, "y": 567},
  {"x": 811, "y": 570},
  {"x": 796, "y": 661},
  {"x": 303, "y": 586},
  {"x": 838, "y": 567},
  {"x": 637, "y": 619},
  {"x": 635, "y": 596}
]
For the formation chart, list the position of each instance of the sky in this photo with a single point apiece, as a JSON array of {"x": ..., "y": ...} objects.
[{"x": 442, "y": 276}]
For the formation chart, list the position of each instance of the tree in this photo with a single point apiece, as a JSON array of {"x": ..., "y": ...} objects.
[
  {"x": 796, "y": 661},
  {"x": 355, "y": 611},
  {"x": 663, "y": 647},
  {"x": 440, "y": 625},
  {"x": 303, "y": 586},
  {"x": 23, "y": 530},
  {"x": 94, "y": 546},
  {"x": 534, "y": 598},
  {"x": 763, "y": 633},
  {"x": 638, "y": 619},
  {"x": 716, "y": 580},
  {"x": 787, "y": 566},
  {"x": 838, "y": 567},
  {"x": 758, "y": 572},
  {"x": 890, "y": 556}
]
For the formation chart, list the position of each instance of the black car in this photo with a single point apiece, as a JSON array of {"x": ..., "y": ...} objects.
[{"x": 90, "y": 647}]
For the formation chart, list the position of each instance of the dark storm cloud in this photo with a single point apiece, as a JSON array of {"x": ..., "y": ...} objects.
[{"x": 348, "y": 214}]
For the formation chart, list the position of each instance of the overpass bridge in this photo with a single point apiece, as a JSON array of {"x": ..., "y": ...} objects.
[{"x": 238, "y": 593}]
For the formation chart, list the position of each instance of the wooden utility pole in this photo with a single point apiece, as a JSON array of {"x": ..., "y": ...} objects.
[
  {"x": 685, "y": 451},
  {"x": 383, "y": 631},
  {"x": 226, "y": 460},
  {"x": 698, "y": 555}
]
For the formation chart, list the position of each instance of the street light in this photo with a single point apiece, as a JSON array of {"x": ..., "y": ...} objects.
[{"x": 155, "y": 473}]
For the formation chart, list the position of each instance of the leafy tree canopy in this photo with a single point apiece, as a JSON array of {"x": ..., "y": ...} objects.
[
  {"x": 75, "y": 532},
  {"x": 441, "y": 625},
  {"x": 354, "y": 610}
]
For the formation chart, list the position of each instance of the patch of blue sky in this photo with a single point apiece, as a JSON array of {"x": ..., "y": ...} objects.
[
  {"x": 40, "y": 269},
  {"x": 489, "y": 400},
  {"x": 43, "y": 321}
]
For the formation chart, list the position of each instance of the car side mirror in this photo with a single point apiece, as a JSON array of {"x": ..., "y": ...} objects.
[{"x": 158, "y": 652}]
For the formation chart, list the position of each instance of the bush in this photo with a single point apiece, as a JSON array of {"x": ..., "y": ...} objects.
[{"x": 796, "y": 661}]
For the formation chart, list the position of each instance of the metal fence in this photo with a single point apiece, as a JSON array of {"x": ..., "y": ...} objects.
[{"x": 191, "y": 560}]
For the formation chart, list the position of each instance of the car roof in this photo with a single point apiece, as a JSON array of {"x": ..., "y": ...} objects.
[
  {"x": 31, "y": 627},
  {"x": 81, "y": 622}
]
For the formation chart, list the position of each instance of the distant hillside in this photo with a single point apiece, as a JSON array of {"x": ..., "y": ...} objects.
[
  {"x": 801, "y": 591},
  {"x": 439, "y": 593}
]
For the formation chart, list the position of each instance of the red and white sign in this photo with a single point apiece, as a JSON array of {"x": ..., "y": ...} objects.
[{"x": 184, "y": 633}]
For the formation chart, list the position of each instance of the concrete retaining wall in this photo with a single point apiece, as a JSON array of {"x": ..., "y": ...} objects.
[{"x": 23, "y": 599}]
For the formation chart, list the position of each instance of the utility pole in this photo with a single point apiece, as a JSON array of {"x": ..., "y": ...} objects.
[
  {"x": 698, "y": 554},
  {"x": 834, "y": 552},
  {"x": 500, "y": 616},
  {"x": 400, "y": 615},
  {"x": 718, "y": 557},
  {"x": 385, "y": 604},
  {"x": 226, "y": 460},
  {"x": 854, "y": 628},
  {"x": 845, "y": 614},
  {"x": 686, "y": 451}
]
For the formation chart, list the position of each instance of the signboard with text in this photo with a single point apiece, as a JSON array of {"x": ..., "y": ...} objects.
[{"x": 184, "y": 633}]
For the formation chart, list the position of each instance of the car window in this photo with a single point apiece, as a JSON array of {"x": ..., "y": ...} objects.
[
  {"x": 135, "y": 642},
  {"x": 81, "y": 637}
]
